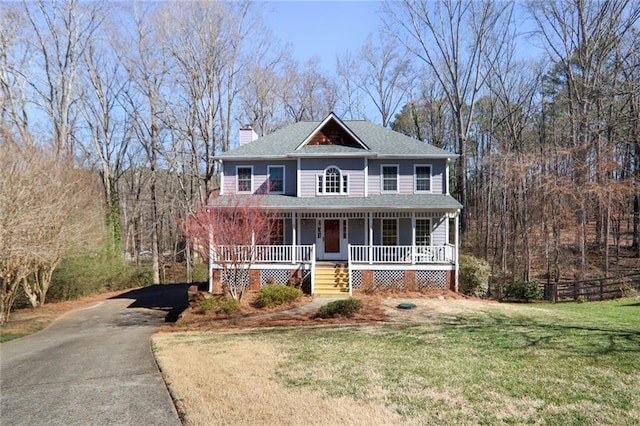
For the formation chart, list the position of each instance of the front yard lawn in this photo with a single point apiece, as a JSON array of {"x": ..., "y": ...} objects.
[{"x": 447, "y": 362}]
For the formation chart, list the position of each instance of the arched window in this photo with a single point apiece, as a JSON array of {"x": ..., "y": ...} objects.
[{"x": 332, "y": 181}]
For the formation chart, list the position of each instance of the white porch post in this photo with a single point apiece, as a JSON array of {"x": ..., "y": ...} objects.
[
  {"x": 370, "y": 238},
  {"x": 294, "y": 236},
  {"x": 413, "y": 238},
  {"x": 456, "y": 246}
]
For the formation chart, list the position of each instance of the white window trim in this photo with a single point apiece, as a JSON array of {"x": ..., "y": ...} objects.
[
  {"x": 238, "y": 179},
  {"x": 340, "y": 183},
  {"x": 415, "y": 179},
  {"x": 382, "y": 190},
  {"x": 284, "y": 179},
  {"x": 415, "y": 241},
  {"x": 382, "y": 230}
]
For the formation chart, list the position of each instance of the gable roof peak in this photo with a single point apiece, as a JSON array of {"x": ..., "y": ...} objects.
[{"x": 334, "y": 135}]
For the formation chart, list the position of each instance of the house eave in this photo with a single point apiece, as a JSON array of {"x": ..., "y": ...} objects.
[
  {"x": 333, "y": 155},
  {"x": 416, "y": 156},
  {"x": 250, "y": 158}
]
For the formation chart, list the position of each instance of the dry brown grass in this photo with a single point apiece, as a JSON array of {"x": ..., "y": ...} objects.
[
  {"x": 215, "y": 380},
  {"x": 235, "y": 384}
]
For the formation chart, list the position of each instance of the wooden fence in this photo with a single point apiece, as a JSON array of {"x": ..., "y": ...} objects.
[{"x": 593, "y": 289}]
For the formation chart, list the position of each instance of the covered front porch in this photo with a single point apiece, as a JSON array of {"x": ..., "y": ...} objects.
[
  {"x": 377, "y": 249},
  {"x": 412, "y": 237}
]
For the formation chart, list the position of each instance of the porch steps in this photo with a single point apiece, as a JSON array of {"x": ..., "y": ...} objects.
[{"x": 331, "y": 280}]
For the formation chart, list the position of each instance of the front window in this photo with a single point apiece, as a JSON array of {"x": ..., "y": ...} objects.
[
  {"x": 423, "y": 178},
  {"x": 244, "y": 179},
  {"x": 276, "y": 179},
  {"x": 332, "y": 181},
  {"x": 389, "y": 232},
  {"x": 423, "y": 232},
  {"x": 389, "y": 178}
]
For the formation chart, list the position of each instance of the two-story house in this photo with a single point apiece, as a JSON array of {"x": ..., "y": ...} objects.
[{"x": 362, "y": 207}]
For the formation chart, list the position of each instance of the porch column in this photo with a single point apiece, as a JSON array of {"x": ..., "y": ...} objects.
[
  {"x": 294, "y": 236},
  {"x": 413, "y": 238},
  {"x": 456, "y": 243},
  {"x": 370, "y": 237}
]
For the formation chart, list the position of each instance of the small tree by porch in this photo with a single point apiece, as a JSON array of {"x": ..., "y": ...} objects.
[{"x": 229, "y": 231}]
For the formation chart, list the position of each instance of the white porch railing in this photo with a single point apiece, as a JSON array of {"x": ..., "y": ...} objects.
[
  {"x": 265, "y": 254},
  {"x": 401, "y": 254}
]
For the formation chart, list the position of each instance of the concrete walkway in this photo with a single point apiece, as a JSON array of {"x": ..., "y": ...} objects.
[{"x": 93, "y": 366}]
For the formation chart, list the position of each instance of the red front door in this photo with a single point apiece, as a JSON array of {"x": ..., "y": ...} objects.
[{"x": 332, "y": 236}]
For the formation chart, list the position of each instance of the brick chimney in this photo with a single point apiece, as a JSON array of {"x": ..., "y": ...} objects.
[{"x": 247, "y": 135}]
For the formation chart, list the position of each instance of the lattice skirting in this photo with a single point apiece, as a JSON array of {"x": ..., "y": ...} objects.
[
  {"x": 356, "y": 279},
  {"x": 244, "y": 275},
  {"x": 431, "y": 280},
  {"x": 282, "y": 276},
  {"x": 274, "y": 275},
  {"x": 388, "y": 279},
  {"x": 425, "y": 280}
]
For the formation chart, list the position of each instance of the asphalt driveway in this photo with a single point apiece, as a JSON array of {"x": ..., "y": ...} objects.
[{"x": 93, "y": 366}]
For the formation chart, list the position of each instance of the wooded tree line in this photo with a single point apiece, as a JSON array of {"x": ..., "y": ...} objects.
[{"x": 139, "y": 97}]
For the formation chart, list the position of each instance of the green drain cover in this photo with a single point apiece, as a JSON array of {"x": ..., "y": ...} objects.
[{"x": 406, "y": 306}]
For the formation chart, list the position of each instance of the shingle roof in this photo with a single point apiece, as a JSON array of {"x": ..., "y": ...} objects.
[
  {"x": 386, "y": 202},
  {"x": 381, "y": 141}
]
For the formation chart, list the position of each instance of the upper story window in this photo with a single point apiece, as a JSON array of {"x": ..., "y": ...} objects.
[
  {"x": 422, "y": 176},
  {"x": 276, "y": 179},
  {"x": 244, "y": 179},
  {"x": 389, "y": 178},
  {"x": 332, "y": 181}
]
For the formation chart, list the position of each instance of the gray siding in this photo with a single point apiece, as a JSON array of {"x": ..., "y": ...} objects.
[
  {"x": 404, "y": 232},
  {"x": 406, "y": 175},
  {"x": 357, "y": 233},
  {"x": 438, "y": 231},
  {"x": 311, "y": 167},
  {"x": 259, "y": 175},
  {"x": 307, "y": 232}
]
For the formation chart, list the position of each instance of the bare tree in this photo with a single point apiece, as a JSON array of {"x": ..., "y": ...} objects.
[
  {"x": 307, "y": 94},
  {"x": 147, "y": 68},
  {"x": 61, "y": 33},
  {"x": 230, "y": 229},
  {"x": 47, "y": 210},
  {"x": 351, "y": 96},
  {"x": 579, "y": 37},
  {"x": 385, "y": 75},
  {"x": 450, "y": 38},
  {"x": 107, "y": 126}
]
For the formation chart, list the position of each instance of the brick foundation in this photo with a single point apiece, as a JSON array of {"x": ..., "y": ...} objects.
[
  {"x": 410, "y": 280},
  {"x": 367, "y": 280},
  {"x": 451, "y": 280},
  {"x": 216, "y": 278},
  {"x": 255, "y": 280}
]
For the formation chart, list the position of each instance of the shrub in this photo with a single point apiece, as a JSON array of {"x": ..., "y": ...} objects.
[
  {"x": 522, "y": 290},
  {"x": 219, "y": 305},
  {"x": 474, "y": 275},
  {"x": 277, "y": 294},
  {"x": 93, "y": 273},
  {"x": 343, "y": 308}
]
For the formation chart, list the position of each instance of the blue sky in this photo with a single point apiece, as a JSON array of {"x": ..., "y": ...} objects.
[
  {"x": 330, "y": 28},
  {"x": 325, "y": 29}
]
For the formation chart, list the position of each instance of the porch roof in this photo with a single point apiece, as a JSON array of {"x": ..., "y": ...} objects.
[{"x": 382, "y": 202}]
